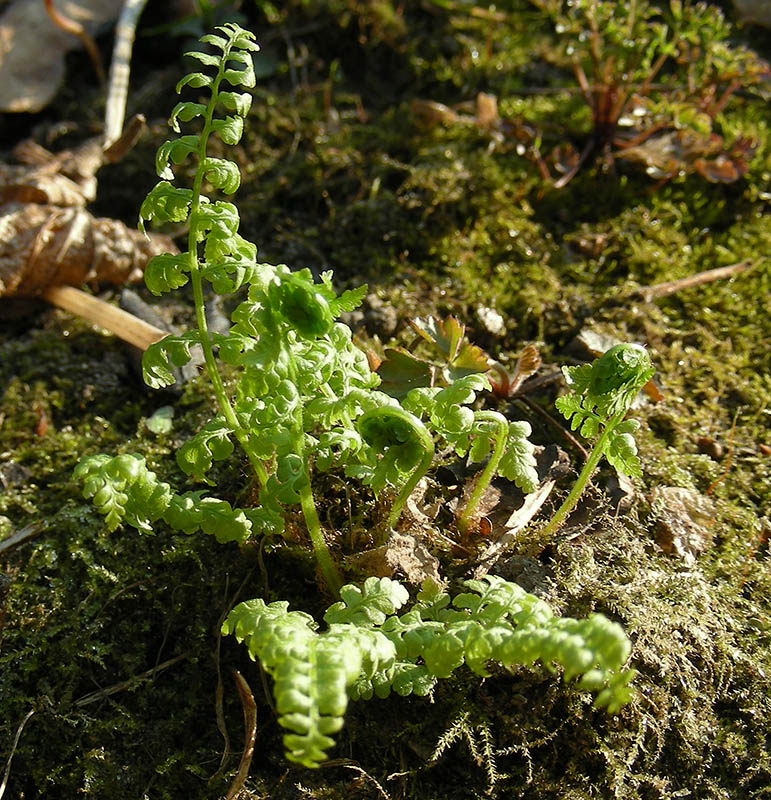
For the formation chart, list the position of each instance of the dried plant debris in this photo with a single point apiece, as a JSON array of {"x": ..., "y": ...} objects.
[
  {"x": 404, "y": 554},
  {"x": 679, "y": 152},
  {"x": 33, "y": 49},
  {"x": 683, "y": 521},
  {"x": 47, "y": 237}
]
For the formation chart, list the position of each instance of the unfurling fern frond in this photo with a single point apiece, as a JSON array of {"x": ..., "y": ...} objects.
[{"x": 369, "y": 649}]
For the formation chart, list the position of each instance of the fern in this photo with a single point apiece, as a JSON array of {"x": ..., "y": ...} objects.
[
  {"x": 302, "y": 400},
  {"x": 369, "y": 649},
  {"x": 599, "y": 396}
]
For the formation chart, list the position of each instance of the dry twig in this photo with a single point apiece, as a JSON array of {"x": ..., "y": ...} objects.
[
  {"x": 250, "y": 733},
  {"x": 649, "y": 293}
]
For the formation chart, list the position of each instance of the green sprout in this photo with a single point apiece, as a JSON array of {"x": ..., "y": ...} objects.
[{"x": 599, "y": 397}]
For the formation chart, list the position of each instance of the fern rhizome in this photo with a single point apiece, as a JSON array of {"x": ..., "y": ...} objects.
[{"x": 305, "y": 402}]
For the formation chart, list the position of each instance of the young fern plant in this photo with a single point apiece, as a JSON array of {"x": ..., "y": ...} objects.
[
  {"x": 303, "y": 400},
  {"x": 368, "y": 649},
  {"x": 600, "y": 395}
]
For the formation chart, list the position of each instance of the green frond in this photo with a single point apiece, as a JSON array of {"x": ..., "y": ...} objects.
[{"x": 211, "y": 443}]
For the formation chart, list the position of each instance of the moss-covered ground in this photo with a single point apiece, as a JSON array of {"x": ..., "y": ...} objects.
[{"x": 111, "y": 639}]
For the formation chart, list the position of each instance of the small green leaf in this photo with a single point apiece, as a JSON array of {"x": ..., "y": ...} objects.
[
  {"x": 218, "y": 226},
  {"x": 196, "y": 80},
  {"x": 206, "y": 59},
  {"x": 445, "y": 335},
  {"x": 184, "y": 112},
  {"x": 242, "y": 39},
  {"x": 241, "y": 77},
  {"x": 401, "y": 371},
  {"x": 226, "y": 524},
  {"x": 165, "y": 203},
  {"x": 222, "y": 174},
  {"x": 166, "y": 272},
  {"x": 161, "y": 356},
  {"x": 237, "y": 102},
  {"x": 229, "y": 129},
  {"x": 348, "y": 300},
  {"x": 211, "y": 443},
  {"x": 216, "y": 41},
  {"x": 176, "y": 151},
  {"x": 161, "y": 421}
]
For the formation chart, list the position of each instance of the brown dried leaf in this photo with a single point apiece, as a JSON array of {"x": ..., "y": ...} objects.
[
  {"x": 45, "y": 245},
  {"x": 47, "y": 237},
  {"x": 684, "y": 521},
  {"x": 683, "y": 151},
  {"x": 403, "y": 553},
  {"x": 32, "y": 48},
  {"x": 505, "y": 385},
  {"x": 487, "y": 111}
]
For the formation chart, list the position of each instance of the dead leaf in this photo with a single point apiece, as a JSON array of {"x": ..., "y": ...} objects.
[
  {"x": 684, "y": 521},
  {"x": 32, "y": 48},
  {"x": 402, "y": 553},
  {"x": 683, "y": 151},
  {"x": 48, "y": 238},
  {"x": 505, "y": 385},
  {"x": 42, "y": 246},
  {"x": 487, "y": 111}
]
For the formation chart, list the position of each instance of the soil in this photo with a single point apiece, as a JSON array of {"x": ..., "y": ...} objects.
[{"x": 110, "y": 662}]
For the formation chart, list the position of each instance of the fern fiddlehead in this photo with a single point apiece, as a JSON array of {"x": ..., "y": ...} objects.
[
  {"x": 600, "y": 394},
  {"x": 407, "y": 447}
]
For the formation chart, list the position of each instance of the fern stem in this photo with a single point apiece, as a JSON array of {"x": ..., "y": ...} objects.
[
  {"x": 197, "y": 283},
  {"x": 307, "y": 503},
  {"x": 489, "y": 472},
  {"x": 545, "y": 534},
  {"x": 320, "y": 549}
]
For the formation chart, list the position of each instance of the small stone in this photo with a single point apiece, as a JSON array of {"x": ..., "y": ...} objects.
[
  {"x": 710, "y": 447},
  {"x": 13, "y": 474},
  {"x": 492, "y": 321}
]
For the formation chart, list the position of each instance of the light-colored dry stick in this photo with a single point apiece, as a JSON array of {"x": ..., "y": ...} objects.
[
  {"x": 26, "y": 533},
  {"x": 120, "y": 67},
  {"x": 250, "y": 733},
  {"x": 649, "y": 293},
  {"x": 131, "y": 133},
  {"x": 13, "y": 750},
  {"x": 100, "y": 694},
  {"x": 124, "y": 325}
]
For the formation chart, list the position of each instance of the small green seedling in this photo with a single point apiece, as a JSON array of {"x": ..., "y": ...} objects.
[
  {"x": 302, "y": 400},
  {"x": 599, "y": 397}
]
